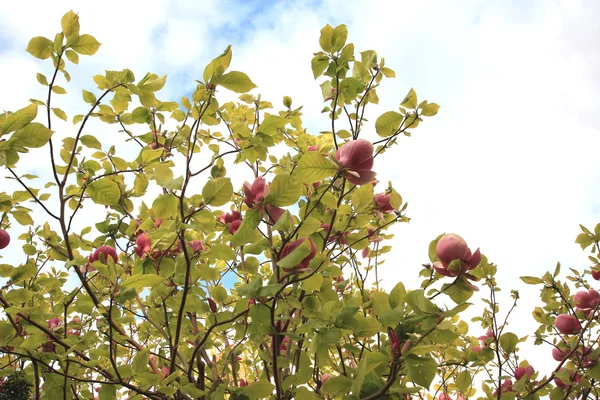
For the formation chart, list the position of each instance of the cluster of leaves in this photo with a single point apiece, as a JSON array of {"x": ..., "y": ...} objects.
[{"x": 151, "y": 317}]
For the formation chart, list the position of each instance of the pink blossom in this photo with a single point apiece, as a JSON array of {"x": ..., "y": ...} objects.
[
  {"x": 234, "y": 226},
  {"x": 522, "y": 371},
  {"x": 274, "y": 213},
  {"x": 212, "y": 305},
  {"x": 559, "y": 354},
  {"x": 54, "y": 323},
  {"x": 567, "y": 324},
  {"x": 506, "y": 387},
  {"x": 313, "y": 147},
  {"x": 255, "y": 193},
  {"x": 586, "y": 299},
  {"x": 243, "y": 383},
  {"x": 197, "y": 246},
  {"x": 394, "y": 342},
  {"x": 356, "y": 159},
  {"x": 290, "y": 247},
  {"x": 228, "y": 218},
  {"x": 453, "y": 247},
  {"x": 325, "y": 377},
  {"x": 382, "y": 201},
  {"x": 143, "y": 245},
  {"x": 102, "y": 253}
]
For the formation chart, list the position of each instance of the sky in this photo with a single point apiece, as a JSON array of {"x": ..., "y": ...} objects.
[{"x": 509, "y": 162}]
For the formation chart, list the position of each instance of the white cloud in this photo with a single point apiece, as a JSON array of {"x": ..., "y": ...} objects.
[{"x": 509, "y": 162}]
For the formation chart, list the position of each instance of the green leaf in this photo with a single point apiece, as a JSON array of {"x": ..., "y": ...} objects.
[
  {"x": 70, "y": 24},
  {"x": 58, "y": 89},
  {"x": 531, "y": 280},
  {"x": 72, "y": 56},
  {"x": 219, "y": 64},
  {"x": 314, "y": 167},
  {"x": 89, "y": 97},
  {"x": 140, "y": 115},
  {"x": 236, "y": 81},
  {"x": 59, "y": 113},
  {"x": 508, "y": 342},
  {"x": 86, "y": 45},
  {"x": 340, "y": 34},
  {"x": 421, "y": 370},
  {"x": 221, "y": 252},
  {"x": 362, "y": 197},
  {"x": 380, "y": 303},
  {"x": 410, "y": 101},
  {"x": 107, "y": 392},
  {"x": 283, "y": 191},
  {"x": 388, "y": 123},
  {"x": 42, "y": 79},
  {"x": 142, "y": 281},
  {"x": 246, "y": 230},
  {"x": 429, "y": 110},
  {"x": 217, "y": 192},
  {"x": 104, "y": 191},
  {"x": 319, "y": 64},
  {"x": 40, "y": 47},
  {"x": 326, "y": 38},
  {"x": 140, "y": 361},
  {"x": 258, "y": 390},
  {"x": 91, "y": 142},
  {"x": 337, "y": 386},
  {"x": 152, "y": 83},
  {"x": 34, "y": 135},
  {"x": 464, "y": 381},
  {"x": 294, "y": 258},
  {"x": 165, "y": 206},
  {"x": 19, "y": 119}
]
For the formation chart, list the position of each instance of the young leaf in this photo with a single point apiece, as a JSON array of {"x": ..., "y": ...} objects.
[
  {"x": 86, "y": 45},
  {"x": 314, "y": 167},
  {"x": 19, "y": 119},
  {"x": 40, "y": 47},
  {"x": 283, "y": 191},
  {"x": 236, "y": 81},
  {"x": 388, "y": 123},
  {"x": 217, "y": 192}
]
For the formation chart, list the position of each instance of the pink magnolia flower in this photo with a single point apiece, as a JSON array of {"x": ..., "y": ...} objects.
[
  {"x": 102, "y": 253},
  {"x": 453, "y": 247},
  {"x": 313, "y": 147},
  {"x": 157, "y": 223},
  {"x": 522, "y": 371},
  {"x": 235, "y": 225},
  {"x": 243, "y": 383},
  {"x": 559, "y": 354},
  {"x": 143, "y": 245},
  {"x": 55, "y": 323},
  {"x": 575, "y": 378},
  {"x": 394, "y": 341},
  {"x": 325, "y": 377},
  {"x": 596, "y": 275},
  {"x": 290, "y": 247},
  {"x": 488, "y": 335},
  {"x": 586, "y": 299},
  {"x": 506, "y": 387},
  {"x": 212, "y": 305},
  {"x": 255, "y": 193},
  {"x": 567, "y": 324},
  {"x": 356, "y": 159},
  {"x": 197, "y": 246},
  {"x": 228, "y": 218},
  {"x": 274, "y": 213},
  {"x": 382, "y": 201}
]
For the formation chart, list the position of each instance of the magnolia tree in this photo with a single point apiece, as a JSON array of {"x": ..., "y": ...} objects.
[{"x": 150, "y": 316}]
